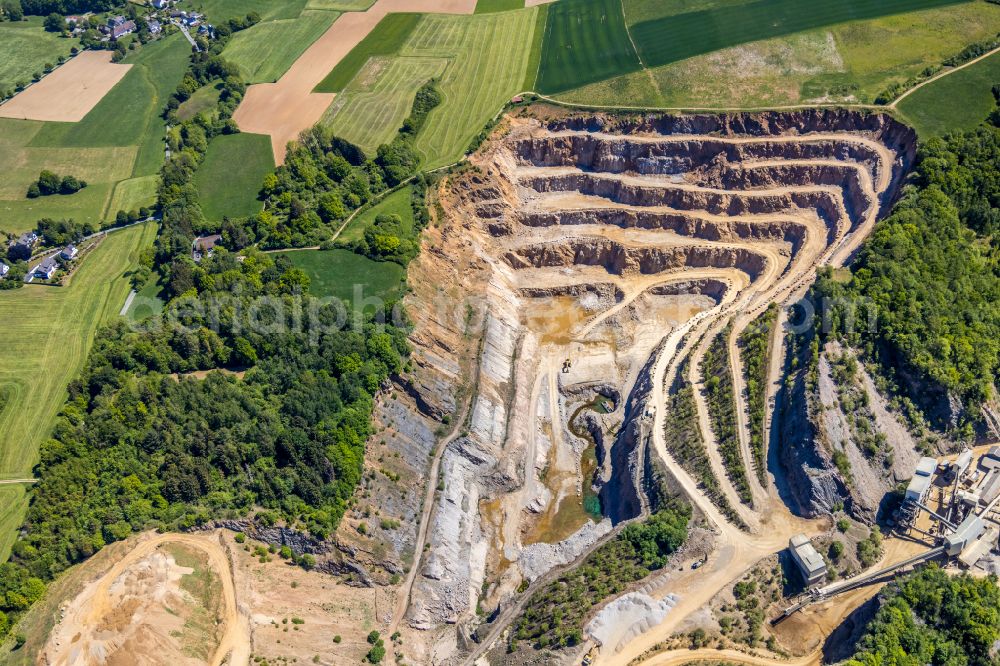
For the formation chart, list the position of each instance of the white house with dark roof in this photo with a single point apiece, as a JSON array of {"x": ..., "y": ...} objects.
[
  {"x": 69, "y": 252},
  {"x": 46, "y": 269},
  {"x": 4, "y": 269}
]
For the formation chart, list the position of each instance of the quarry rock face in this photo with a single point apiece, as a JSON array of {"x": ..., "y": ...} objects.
[{"x": 568, "y": 278}]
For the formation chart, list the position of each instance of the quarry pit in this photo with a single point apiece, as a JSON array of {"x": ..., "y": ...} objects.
[{"x": 578, "y": 267}]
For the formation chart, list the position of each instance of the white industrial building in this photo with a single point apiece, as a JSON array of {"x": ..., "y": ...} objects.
[
  {"x": 921, "y": 481},
  {"x": 810, "y": 562}
]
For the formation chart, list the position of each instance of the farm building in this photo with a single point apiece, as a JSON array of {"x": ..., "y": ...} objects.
[
  {"x": 46, "y": 269},
  {"x": 809, "y": 561},
  {"x": 69, "y": 253}
]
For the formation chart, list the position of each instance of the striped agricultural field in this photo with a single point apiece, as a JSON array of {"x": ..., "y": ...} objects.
[
  {"x": 379, "y": 98},
  {"x": 481, "y": 61},
  {"x": 47, "y": 334}
]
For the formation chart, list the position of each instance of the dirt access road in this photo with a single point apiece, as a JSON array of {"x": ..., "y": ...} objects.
[
  {"x": 91, "y": 612},
  {"x": 285, "y": 108}
]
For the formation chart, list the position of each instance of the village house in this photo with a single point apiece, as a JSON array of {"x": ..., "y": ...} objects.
[
  {"x": 69, "y": 253},
  {"x": 46, "y": 269},
  {"x": 4, "y": 269},
  {"x": 204, "y": 246},
  {"x": 120, "y": 26},
  {"x": 160, "y": 4},
  {"x": 24, "y": 246},
  {"x": 154, "y": 26}
]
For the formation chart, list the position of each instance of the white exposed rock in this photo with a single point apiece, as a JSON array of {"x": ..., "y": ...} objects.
[
  {"x": 538, "y": 558},
  {"x": 628, "y": 616}
]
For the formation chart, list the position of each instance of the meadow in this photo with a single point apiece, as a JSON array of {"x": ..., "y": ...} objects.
[
  {"x": 132, "y": 194},
  {"x": 396, "y": 203},
  {"x": 265, "y": 51},
  {"x": 373, "y": 106},
  {"x": 47, "y": 334},
  {"x": 349, "y": 277},
  {"x": 25, "y": 49},
  {"x": 268, "y": 10},
  {"x": 232, "y": 174},
  {"x": 340, "y": 5},
  {"x": 386, "y": 39},
  {"x": 203, "y": 99},
  {"x": 490, "y": 6},
  {"x": 848, "y": 62},
  {"x": 120, "y": 139},
  {"x": 585, "y": 41},
  {"x": 932, "y": 110}
]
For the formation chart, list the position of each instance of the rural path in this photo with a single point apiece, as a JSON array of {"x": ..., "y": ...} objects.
[
  {"x": 287, "y": 107},
  {"x": 15, "y": 482},
  {"x": 940, "y": 75}
]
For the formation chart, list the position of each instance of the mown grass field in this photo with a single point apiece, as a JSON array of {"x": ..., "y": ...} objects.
[
  {"x": 265, "y": 51},
  {"x": 932, "y": 110},
  {"x": 121, "y": 138},
  {"x": 585, "y": 41},
  {"x": 374, "y": 105},
  {"x": 848, "y": 62},
  {"x": 486, "y": 60},
  {"x": 489, "y": 57},
  {"x": 397, "y": 203},
  {"x": 47, "y": 334},
  {"x": 349, "y": 277},
  {"x": 232, "y": 174},
  {"x": 25, "y": 48},
  {"x": 386, "y": 39}
]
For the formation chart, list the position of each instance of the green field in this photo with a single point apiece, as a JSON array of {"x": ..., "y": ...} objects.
[
  {"x": 385, "y": 39},
  {"x": 490, "y": 6},
  {"x": 489, "y": 57},
  {"x": 669, "y": 32},
  {"x": 932, "y": 110},
  {"x": 585, "y": 41},
  {"x": 268, "y": 10},
  {"x": 340, "y": 5},
  {"x": 121, "y": 138},
  {"x": 265, "y": 51},
  {"x": 348, "y": 276},
  {"x": 486, "y": 58},
  {"x": 232, "y": 174},
  {"x": 397, "y": 203},
  {"x": 203, "y": 99},
  {"x": 47, "y": 334},
  {"x": 132, "y": 194},
  {"x": 25, "y": 48},
  {"x": 849, "y": 62},
  {"x": 374, "y": 105}
]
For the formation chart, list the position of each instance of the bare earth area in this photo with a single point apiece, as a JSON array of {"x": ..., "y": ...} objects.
[
  {"x": 283, "y": 109},
  {"x": 142, "y": 610},
  {"x": 70, "y": 92}
]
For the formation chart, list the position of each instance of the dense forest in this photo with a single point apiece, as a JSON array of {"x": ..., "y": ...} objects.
[
  {"x": 925, "y": 290},
  {"x": 930, "y": 617},
  {"x": 149, "y": 439}
]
